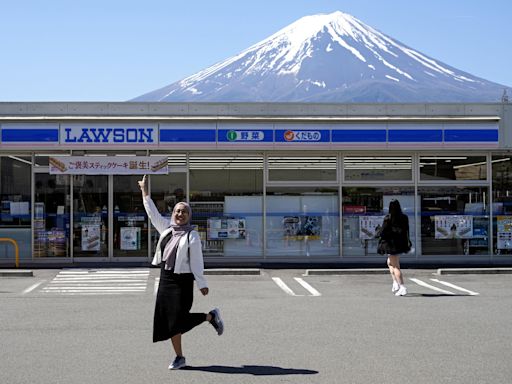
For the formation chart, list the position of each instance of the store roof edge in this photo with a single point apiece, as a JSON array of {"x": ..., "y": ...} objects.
[
  {"x": 329, "y": 119},
  {"x": 248, "y": 111}
]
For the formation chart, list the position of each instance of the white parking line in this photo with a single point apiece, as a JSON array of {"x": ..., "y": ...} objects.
[
  {"x": 308, "y": 287},
  {"x": 32, "y": 287},
  {"x": 284, "y": 287},
  {"x": 455, "y": 287},
  {"x": 94, "y": 289},
  {"x": 94, "y": 276},
  {"x": 103, "y": 272},
  {"x": 72, "y": 292},
  {"x": 98, "y": 281},
  {"x": 157, "y": 283},
  {"x": 423, "y": 284}
]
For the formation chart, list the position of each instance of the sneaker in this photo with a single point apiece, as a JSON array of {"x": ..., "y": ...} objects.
[
  {"x": 179, "y": 362},
  {"x": 395, "y": 287},
  {"x": 402, "y": 291},
  {"x": 216, "y": 321}
]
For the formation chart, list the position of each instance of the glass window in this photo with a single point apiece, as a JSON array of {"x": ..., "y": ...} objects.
[
  {"x": 302, "y": 222},
  {"x": 453, "y": 168},
  {"x": 177, "y": 162},
  {"x": 364, "y": 209},
  {"x": 302, "y": 168},
  {"x": 166, "y": 191},
  {"x": 43, "y": 160},
  {"x": 15, "y": 214},
  {"x": 51, "y": 215},
  {"x": 374, "y": 168},
  {"x": 15, "y": 179},
  {"x": 454, "y": 220},
  {"x": 227, "y": 204},
  {"x": 502, "y": 204}
]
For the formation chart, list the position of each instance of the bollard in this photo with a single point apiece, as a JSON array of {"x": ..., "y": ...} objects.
[{"x": 16, "y": 249}]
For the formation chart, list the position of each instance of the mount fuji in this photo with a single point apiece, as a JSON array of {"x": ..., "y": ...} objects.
[{"x": 329, "y": 58}]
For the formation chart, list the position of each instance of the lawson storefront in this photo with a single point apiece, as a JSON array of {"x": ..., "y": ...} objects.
[{"x": 267, "y": 182}]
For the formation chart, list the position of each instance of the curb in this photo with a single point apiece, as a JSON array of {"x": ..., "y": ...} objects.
[
  {"x": 468, "y": 271},
  {"x": 231, "y": 271},
  {"x": 15, "y": 273},
  {"x": 319, "y": 272}
]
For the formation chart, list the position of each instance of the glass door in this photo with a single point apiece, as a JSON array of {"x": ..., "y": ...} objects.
[
  {"x": 51, "y": 215},
  {"x": 90, "y": 216},
  {"x": 130, "y": 228}
]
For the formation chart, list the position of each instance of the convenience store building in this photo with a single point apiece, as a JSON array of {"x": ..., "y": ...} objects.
[{"x": 267, "y": 182}]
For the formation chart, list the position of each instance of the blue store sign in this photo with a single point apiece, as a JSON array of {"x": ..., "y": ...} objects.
[
  {"x": 303, "y": 135},
  {"x": 108, "y": 134},
  {"x": 245, "y": 135}
]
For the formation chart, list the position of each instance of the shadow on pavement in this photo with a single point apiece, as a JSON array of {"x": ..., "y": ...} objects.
[
  {"x": 435, "y": 295},
  {"x": 256, "y": 370}
]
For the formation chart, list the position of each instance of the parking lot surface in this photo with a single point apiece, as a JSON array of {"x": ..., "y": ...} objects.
[{"x": 95, "y": 326}]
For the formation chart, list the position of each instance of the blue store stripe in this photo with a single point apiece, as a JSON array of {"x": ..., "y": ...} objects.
[
  {"x": 470, "y": 135},
  {"x": 30, "y": 135},
  {"x": 359, "y": 136},
  {"x": 187, "y": 135},
  {"x": 331, "y": 214},
  {"x": 415, "y": 136}
]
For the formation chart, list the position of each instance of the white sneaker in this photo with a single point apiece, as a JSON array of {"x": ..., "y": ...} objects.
[
  {"x": 402, "y": 291},
  {"x": 178, "y": 363},
  {"x": 216, "y": 321},
  {"x": 395, "y": 287}
]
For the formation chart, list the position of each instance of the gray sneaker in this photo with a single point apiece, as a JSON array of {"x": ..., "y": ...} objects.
[
  {"x": 179, "y": 362},
  {"x": 216, "y": 321}
]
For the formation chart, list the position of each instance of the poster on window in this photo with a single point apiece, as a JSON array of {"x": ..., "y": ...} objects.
[
  {"x": 504, "y": 236},
  {"x": 91, "y": 237},
  {"x": 300, "y": 227},
  {"x": 370, "y": 226},
  {"x": 220, "y": 228},
  {"x": 130, "y": 238},
  {"x": 453, "y": 227}
]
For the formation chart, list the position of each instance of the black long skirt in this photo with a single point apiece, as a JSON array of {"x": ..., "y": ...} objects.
[{"x": 173, "y": 303}]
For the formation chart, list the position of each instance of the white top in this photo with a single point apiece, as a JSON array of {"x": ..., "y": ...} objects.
[{"x": 183, "y": 264}]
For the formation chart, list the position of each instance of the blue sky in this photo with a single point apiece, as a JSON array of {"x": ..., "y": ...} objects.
[{"x": 115, "y": 50}]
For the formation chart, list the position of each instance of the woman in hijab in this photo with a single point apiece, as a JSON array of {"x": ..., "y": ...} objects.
[
  {"x": 394, "y": 241},
  {"x": 180, "y": 257}
]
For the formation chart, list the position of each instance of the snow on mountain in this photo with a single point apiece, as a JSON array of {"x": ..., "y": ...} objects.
[{"x": 329, "y": 58}]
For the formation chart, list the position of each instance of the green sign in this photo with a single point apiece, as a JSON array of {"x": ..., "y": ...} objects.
[{"x": 231, "y": 135}]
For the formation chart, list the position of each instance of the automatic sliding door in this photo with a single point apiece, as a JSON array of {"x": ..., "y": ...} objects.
[
  {"x": 130, "y": 219},
  {"x": 90, "y": 216}
]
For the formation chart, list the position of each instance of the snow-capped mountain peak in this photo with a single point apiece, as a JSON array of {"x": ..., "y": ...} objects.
[{"x": 329, "y": 57}]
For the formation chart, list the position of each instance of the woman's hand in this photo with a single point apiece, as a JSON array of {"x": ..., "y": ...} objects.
[
  {"x": 143, "y": 185},
  {"x": 204, "y": 291}
]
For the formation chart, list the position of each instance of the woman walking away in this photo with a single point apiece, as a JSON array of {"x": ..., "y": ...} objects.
[
  {"x": 394, "y": 241},
  {"x": 180, "y": 257}
]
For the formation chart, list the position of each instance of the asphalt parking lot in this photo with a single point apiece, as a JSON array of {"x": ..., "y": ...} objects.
[{"x": 94, "y": 326}]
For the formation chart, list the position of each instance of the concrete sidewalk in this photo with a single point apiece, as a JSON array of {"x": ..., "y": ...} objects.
[
  {"x": 216, "y": 271},
  {"x": 466, "y": 271},
  {"x": 309, "y": 272},
  {"x": 384, "y": 271}
]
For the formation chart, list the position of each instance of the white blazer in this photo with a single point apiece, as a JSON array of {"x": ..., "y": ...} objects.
[{"x": 183, "y": 264}]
